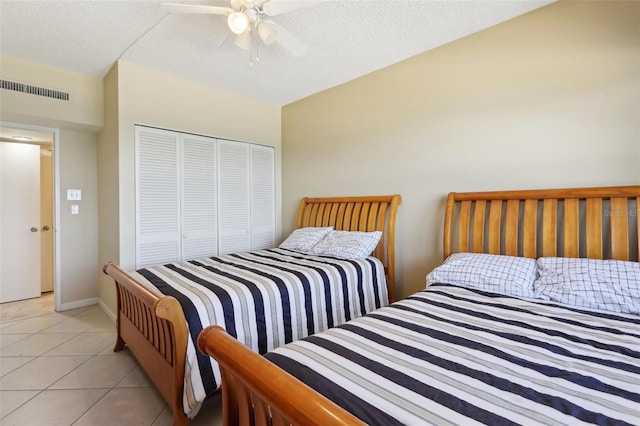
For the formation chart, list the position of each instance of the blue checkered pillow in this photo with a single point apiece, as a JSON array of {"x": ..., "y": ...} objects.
[
  {"x": 509, "y": 275},
  {"x": 348, "y": 244},
  {"x": 303, "y": 239},
  {"x": 611, "y": 285}
]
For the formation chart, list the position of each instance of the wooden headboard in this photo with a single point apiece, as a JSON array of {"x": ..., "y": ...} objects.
[
  {"x": 365, "y": 213},
  {"x": 598, "y": 223}
]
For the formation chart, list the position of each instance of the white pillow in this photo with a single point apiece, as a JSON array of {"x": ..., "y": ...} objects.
[
  {"x": 508, "y": 275},
  {"x": 611, "y": 285},
  {"x": 348, "y": 244},
  {"x": 303, "y": 239}
]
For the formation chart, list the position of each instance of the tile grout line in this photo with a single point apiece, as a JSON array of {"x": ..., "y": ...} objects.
[
  {"x": 35, "y": 357},
  {"x": 105, "y": 394},
  {"x": 96, "y": 327}
]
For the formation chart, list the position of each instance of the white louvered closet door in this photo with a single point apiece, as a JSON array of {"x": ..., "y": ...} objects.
[
  {"x": 233, "y": 197},
  {"x": 157, "y": 197},
  {"x": 262, "y": 197},
  {"x": 199, "y": 197}
]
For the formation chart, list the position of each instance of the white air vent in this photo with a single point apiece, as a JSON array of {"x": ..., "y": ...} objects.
[{"x": 34, "y": 90}]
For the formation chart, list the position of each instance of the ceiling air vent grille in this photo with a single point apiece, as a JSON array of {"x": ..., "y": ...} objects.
[{"x": 33, "y": 90}]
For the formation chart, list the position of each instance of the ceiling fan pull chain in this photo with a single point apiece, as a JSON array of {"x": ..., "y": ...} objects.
[
  {"x": 255, "y": 42},
  {"x": 251, "y": 50},
  {"x": 251, "y": 47}
]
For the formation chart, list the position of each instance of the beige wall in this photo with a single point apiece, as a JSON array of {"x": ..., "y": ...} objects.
[
  {"x": 108, "y": 187},
  {"x": 146, "y": 96},
  {"x": 79, "y": 235},
  {"x": 83, "y": 110},
  {"x": 77, "y": 121},
  {"x": 548, "y": 99}
]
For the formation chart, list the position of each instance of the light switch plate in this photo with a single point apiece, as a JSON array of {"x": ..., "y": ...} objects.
[
  {"x": 74, "y": 194},
  {"x": 75, "y": 209}
]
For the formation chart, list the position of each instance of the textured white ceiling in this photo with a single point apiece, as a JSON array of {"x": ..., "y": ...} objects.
[{"x": 346, "y": 39}]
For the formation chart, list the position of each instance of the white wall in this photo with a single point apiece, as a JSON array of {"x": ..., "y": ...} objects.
[
  {"x": 150, "y": 97},
  {"x": 548, "y": 99}
]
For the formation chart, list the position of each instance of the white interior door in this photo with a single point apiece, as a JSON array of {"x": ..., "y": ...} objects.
[{"x": 19, "y": 221}]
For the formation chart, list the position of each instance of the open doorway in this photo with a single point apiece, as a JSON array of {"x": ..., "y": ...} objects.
[{"x": 27, "y": 213}]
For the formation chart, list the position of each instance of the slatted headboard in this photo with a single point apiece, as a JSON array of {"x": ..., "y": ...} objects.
[
  {"x": 364, "y": 213},
  {"x": 599, "y": 223}
]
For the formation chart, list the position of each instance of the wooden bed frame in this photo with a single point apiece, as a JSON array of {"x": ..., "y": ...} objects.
[
  {"x": 154, "y": 327},
  {"x": 599, "y": 223}
]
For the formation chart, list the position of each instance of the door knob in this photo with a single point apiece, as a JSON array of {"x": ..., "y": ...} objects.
[
  {"x": 45, "y": 228},
  {"x": 34, "y": 229}
]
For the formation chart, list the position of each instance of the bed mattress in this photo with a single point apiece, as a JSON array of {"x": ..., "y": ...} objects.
[
  {"x": 450, "y": 356},
  {"x": 264, "y": 299}
]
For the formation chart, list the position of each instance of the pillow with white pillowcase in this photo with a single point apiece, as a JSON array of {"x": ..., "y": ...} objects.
[
  {"x": 303, "y": 239},
  {"x": 611, "y": 285},
  {"x": 508, "y": 275},
  {"x": 348, "y": 244}
]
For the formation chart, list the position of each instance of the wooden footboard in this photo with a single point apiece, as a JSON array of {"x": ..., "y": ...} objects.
[
  {"x": 256, "y": 392},
  {"x": 155, "y": 330}
]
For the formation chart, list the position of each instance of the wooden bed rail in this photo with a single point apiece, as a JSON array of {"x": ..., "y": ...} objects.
[
  {"x": 256, "y": 392},
  {"x": 576, "y": 222},
  {"x": 366, "y": 214},
  {"x": 154, "y": 328}
]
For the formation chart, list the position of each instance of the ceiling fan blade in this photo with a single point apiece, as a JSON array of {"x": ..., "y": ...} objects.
[
  {"x": 277, "y": 7},
  {"x": 288, "y": 40},
  {"x": 196, "y": 8}
]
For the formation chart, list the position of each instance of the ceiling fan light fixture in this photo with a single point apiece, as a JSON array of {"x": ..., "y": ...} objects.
[
  {"x": 243, "y": 41},
  {"x": 238, "y": 22},
  {"x": 267, "y": 33}
]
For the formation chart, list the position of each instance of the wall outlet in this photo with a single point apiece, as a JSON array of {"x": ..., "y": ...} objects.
[
  {"x": 74, "y": 194},
  {"x": 75, "y": 209}
]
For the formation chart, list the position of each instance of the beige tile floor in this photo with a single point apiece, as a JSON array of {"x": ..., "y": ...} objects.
[{"x": 59, "y": 368}]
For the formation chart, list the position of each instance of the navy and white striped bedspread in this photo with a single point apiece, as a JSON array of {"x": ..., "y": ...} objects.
[
  {"x": 454, "y": 356},
  {"x": 265, "y": 299}
]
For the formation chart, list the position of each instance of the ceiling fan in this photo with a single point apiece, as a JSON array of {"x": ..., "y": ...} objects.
[{"x": 248, "y": 20}]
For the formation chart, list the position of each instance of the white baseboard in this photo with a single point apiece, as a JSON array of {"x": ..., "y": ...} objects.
[
  {"x": 78, "y": 304},
  {"x": 89, "y": 302},
  {"x": 107, "y": 311}
]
